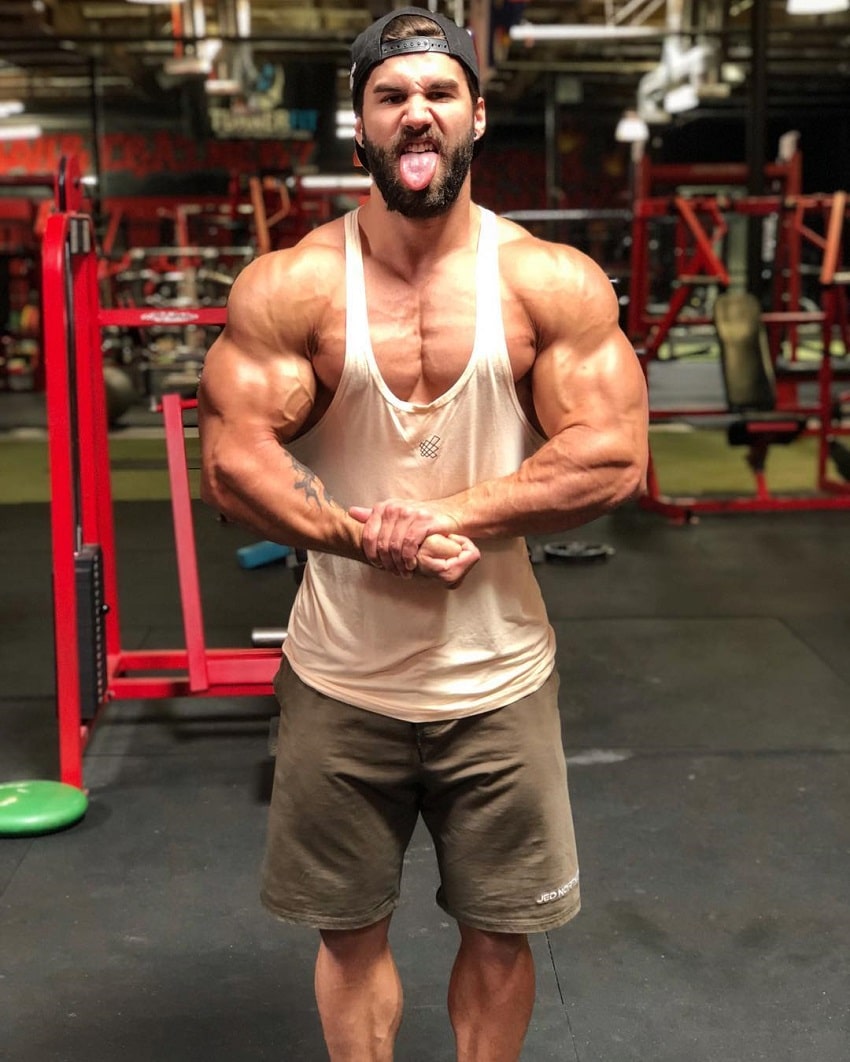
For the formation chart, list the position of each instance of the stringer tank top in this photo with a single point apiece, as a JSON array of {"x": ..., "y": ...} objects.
[{"x": 410, "y": 648}]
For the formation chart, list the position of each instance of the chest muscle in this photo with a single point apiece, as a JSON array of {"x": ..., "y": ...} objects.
[{"x": 422, "y": 336}]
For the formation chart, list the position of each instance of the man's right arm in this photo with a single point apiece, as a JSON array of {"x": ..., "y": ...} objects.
[{"x": 257, "y": 391}]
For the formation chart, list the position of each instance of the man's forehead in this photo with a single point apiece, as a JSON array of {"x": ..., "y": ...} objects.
[{"x": 426, "y": 67}]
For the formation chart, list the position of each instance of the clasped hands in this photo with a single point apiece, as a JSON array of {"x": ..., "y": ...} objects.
[{"x": 408, "y": 538}]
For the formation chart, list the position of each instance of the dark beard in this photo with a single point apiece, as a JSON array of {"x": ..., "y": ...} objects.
[{"x": 428, "y": 202}]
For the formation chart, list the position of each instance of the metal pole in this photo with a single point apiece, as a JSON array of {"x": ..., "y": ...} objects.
[
  {"x": 755, "y": 140},
  {"x": 94, "y": 113},
  {"x": 553, "y": 199}
]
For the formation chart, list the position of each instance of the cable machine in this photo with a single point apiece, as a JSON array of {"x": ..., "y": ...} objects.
[{"x": 92, "y": 667}]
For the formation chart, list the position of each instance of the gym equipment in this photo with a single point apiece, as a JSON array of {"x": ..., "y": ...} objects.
[
  {"x": 577, "y": 552},
  {"x": 24, "y": 201},
  {"x": 37, "y": 807},
  {"x": 259, "y": 554},
  {"x": 269, "y": 637},
  {"x": 120, "y": 392},
  {"x": 687, "y": 267},
  {"x": 751, "y": 394},
  {"x": 687, "y": 232},
  {"x": 841, "y": 458},
  {"x": 92, "y": 667},
  {"x": 751, "y": 383}
]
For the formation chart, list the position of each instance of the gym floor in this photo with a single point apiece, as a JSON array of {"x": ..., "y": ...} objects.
[{"x": 706, "y": 718}]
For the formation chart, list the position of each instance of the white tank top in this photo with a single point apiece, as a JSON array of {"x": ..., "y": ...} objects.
[{"x": 410, "y": 648}]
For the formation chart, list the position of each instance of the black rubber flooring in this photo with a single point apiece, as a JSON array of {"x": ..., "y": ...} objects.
[{"x": 706, "y": 711}]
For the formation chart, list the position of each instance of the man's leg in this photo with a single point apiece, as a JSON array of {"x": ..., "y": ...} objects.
[
  {"x": 359, "y": 993},
  {"x": 491, "y": 995}
]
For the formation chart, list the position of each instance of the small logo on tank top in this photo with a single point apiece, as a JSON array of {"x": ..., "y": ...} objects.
[{"x": 430, "y": 447}]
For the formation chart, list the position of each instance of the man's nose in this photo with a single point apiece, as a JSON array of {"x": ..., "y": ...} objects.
[{"x": 418, "y": 111}]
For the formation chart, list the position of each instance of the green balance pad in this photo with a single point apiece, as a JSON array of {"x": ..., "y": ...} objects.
[{"x": 39, "y": 807}]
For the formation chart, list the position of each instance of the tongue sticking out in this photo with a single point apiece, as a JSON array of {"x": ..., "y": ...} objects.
[{"x": 417, "y": 168}]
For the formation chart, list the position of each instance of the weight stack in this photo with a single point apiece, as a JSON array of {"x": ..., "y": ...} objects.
[{"x": 91, "y": 630}]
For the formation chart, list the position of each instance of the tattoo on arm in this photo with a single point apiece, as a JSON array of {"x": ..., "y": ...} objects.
[{"x": 309, "y": 484}]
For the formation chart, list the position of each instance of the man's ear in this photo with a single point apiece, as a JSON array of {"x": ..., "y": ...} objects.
[{"x": 479, "y": 119}]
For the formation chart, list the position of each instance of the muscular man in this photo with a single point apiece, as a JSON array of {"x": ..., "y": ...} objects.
[{"x": 407, "y": 393}]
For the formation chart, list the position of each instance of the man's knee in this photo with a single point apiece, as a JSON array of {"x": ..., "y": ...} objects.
[
  {"x": 356, "y": 945},
  {"x": 502, "y": 949}
]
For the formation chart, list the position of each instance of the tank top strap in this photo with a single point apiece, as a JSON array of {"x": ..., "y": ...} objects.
[
  {"x": 356, "y": 314},
  {"x": 490, "y": 341}
]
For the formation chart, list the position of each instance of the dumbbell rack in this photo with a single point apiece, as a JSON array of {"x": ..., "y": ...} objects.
[{"x": 92, "y": 667}]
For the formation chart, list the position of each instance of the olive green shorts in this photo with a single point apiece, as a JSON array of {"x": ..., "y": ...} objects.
[{"x": 350, "y": 785}]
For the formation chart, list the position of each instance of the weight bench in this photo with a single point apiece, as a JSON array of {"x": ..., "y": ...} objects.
[{"x": 750, "y": 383}]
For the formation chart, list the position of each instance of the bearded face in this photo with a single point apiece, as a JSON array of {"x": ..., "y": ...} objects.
[{"x": 438, "y": 195}]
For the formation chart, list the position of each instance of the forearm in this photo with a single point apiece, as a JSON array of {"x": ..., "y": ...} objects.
[
  {"x": 281, "y": 500},
  {"x": 558, "y": 488},
  {"x": 572, "y": 479}
]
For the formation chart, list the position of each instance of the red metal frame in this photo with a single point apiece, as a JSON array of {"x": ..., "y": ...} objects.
[
  {"x": 827, "y": 492},
  {"x": 700, "y": 226},
  {"x": 656, "y": 197},
  {"x": 81, "y": 506}
]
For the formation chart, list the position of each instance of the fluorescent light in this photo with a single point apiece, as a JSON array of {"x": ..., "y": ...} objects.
[
  {"x": 10, "y": 107},
  {"x": 788, "y": 144},
  {"x": 334, "y": 182},
  {"x": 209, "y": 48},
  {"x": 733, "y": 73},
  {"x": 243, "y": 18},
  {"x": 713, "y": 90},
  {"x": 816, "y": 7},
  {"x": 681, "y": 98},
  {"x": 631, "y": 129},
  {"x": 186, "y": 64},
  {"x": 20, "y": 132},
  {"x": 222, "y": 86},
  {"x": 525, "y": 31},
  {"x": 345, "y": 120}
]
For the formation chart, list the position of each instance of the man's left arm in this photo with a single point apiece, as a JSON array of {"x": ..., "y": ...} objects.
[{"x": 590, "y": 398}]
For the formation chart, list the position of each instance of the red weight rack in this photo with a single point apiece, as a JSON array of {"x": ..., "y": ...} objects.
[{"x": 92, "y": 667}]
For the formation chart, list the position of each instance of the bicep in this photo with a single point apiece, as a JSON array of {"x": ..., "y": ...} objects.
[
  {"x": 586, "y": 372},
  {"x": 256, "y": 377},
  {"x": 265, "y": 391},
  {"x": 601, "y": 388}
]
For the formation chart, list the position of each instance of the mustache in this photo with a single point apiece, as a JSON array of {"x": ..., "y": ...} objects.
[{"x": 405, "y": 139}]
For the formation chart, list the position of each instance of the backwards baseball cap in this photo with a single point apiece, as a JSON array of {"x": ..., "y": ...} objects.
[{"x": 368, "y": 51}]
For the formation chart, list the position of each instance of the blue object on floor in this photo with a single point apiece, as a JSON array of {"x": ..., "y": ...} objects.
[{"x": 260, "y": 553}]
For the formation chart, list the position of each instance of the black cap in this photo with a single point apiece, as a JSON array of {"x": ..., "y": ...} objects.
[{"x": 367, "y": 51}]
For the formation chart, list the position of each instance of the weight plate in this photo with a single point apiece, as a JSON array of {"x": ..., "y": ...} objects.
[{"x": 577, "y": 552}]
